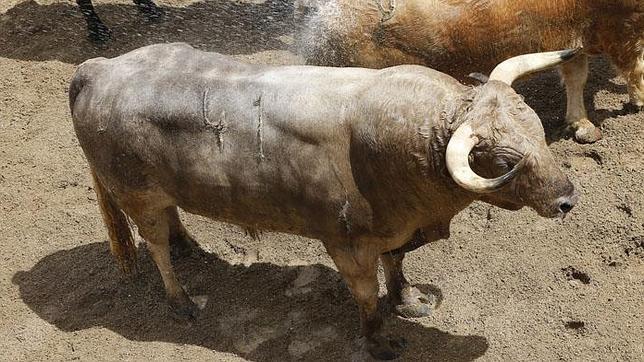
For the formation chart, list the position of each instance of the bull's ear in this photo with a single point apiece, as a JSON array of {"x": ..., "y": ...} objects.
[{"x": 479, "y": 76}]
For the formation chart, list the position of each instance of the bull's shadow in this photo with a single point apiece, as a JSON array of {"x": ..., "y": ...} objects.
[
  {"x": 544, "y": 93},
  {"x": 30, "y": 31},
  {"x": 256, "y": 312}
]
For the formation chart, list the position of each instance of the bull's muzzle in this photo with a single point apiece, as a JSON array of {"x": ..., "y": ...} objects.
[{"x": 566, "y": 203}]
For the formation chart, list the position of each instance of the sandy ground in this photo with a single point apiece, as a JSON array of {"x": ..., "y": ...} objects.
[{"x": 511, "y": 285}]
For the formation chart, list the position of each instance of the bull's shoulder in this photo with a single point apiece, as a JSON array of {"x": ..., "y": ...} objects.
[{"x": 410, "y": 84}]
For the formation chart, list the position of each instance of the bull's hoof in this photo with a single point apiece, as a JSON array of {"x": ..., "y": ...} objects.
[
  {"x": 586, "y": 132},
  {"x": 415, "y": 304},
  {"x": 631, "y": 108},
  {"x": 416, "y": 310},
  {"x": 385, "y": 349},
  {"x": 99, "y": 34},
  {"x": 183, "y": 311},
  {"x": 150, "y": 10}
]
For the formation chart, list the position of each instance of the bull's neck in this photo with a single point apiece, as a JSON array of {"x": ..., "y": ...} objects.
[{"x": 405, "y": 157}]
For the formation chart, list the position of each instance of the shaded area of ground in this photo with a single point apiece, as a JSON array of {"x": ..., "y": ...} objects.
[
  {"x": 258, "y": 312},
  {"x": 31, "y": 31}
]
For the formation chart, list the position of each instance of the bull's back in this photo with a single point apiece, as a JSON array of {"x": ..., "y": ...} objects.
[{"x": 455, "y": 37}]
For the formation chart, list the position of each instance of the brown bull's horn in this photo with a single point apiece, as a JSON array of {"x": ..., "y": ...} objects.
[
  {"x": 510, "y": 70},
  {"x": 458, "y": 165}
]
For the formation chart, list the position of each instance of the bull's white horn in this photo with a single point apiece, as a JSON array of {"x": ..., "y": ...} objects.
[
  {"x": 514, "y": 68},
  {"x": 458, "y": 165}
]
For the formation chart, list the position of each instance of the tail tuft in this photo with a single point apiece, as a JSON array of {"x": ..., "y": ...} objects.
[{"x": 122, "y": 243}]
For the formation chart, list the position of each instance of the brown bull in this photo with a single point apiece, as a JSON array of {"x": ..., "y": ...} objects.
[
  {"x": 358, "y": 158},
  {"x": 463, "y": 36}
]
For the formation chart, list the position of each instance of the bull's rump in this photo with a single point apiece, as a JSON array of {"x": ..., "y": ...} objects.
[{"x": 224, "y": 142}]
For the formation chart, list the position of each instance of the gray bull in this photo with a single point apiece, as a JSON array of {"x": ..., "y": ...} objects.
[{"x": 358, "y": 158}]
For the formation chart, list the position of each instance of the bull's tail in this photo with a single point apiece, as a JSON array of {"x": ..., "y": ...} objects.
[{"x": 121, "y": 240}]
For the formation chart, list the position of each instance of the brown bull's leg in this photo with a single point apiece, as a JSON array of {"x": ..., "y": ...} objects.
[
  {"x": 154, "y": 228},
  {"x": 408, "y": 301},
  {"x": 360, "y": 273},
  {"x": 634, "y": 82},
  {"x": 97, "y": 31},
  {"x": 575, "y": 74},
  {"x": 182, "y": 244},
  {"x": 149, "y": 8}
]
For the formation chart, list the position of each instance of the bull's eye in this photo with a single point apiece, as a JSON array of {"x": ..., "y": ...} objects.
[{"x": 505, "y": 165}]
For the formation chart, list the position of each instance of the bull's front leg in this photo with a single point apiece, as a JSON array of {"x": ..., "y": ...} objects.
[
  {"x": 359, "y": 269},
  {"x": 407, "y": 300},
  {"x": 635, "y": 84},
  {"x": 97, "y": 31},
  {"x": 575, "y": 74}
]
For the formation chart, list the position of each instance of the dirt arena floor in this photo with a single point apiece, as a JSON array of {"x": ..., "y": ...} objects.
[{"x": 510, "y": 285}]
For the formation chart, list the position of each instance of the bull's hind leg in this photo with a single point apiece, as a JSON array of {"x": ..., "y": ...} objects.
[
  {"x": 154, "y": 227},
  {"x": 149, "y": 9},
  {"x": 575, "y": 74},
  {"x": 182, "y": 244},
  {"x": 359, "y": 269},
  {"x": 97, "y": 31},
  {"x": 408, "y": 301}
]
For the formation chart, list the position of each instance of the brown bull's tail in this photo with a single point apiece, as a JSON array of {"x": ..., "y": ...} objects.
[{"x": 121, "y": 241}]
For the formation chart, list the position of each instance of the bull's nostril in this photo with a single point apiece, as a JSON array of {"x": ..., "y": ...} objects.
[{"x": 565, "y": 206}]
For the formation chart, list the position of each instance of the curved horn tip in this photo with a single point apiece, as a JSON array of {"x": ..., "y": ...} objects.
[
  {"x": 570, "y": 53},
  {"x": 516, "y": 67}
]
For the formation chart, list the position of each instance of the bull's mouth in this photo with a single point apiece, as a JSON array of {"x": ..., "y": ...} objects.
[
  {"x": 504, "y": 204},
  {"x": 549, "y": 210},
  {"x": 551, "y": 213}
]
